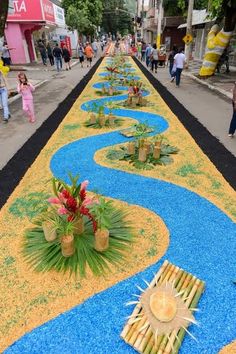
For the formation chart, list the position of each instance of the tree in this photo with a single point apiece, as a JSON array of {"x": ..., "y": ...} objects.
[
  {"x": 3, "y": 15},
  {"x": 83, "y": 15},
  {"x": 116, "y": 17},
  {"x": 224, "y": 11}
]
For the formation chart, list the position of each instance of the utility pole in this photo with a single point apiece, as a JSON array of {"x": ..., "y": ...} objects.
[
  {"x": 142, "y": 18},
  {"x": 159, "y": 23},
  {"x": 188, "y": 47}
]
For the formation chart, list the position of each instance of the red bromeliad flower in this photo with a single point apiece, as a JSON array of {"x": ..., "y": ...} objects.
[
  {"x": 71, "y": 205},
  {"x": 82, "y": 194}
]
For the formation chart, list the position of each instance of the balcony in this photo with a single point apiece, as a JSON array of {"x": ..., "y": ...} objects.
[{"x": 151, "y": 12}]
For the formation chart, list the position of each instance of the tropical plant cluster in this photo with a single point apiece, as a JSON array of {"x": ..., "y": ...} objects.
[
  {"x": 143, "y": 154},
  {"x": 75, "y": 230}
]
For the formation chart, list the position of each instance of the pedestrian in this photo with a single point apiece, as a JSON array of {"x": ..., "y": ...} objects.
[
  {"x": 67, "y": 57},
  {"x": 81, "y": 54},
  {"x": 154, "y": 57},
  {"x": 4, "y": 93},
  {"x": 6, "y": 57},
  {"x": 179, "y": 61},
  {"x": 139, "y": 47},
  {"x": 43, "y": 51},
  {"x": 148, "y": 54},
  {"x": 50, "y": 55},
  {"x": 25, "y": 88},
  {"x": 144, "y": 47},
  {"x": 232, "y": 127},
  {"x": 172, "y": 68},
  {"x": 57, "y": 53},
  {"x": 95, "y": 48},
  {"x": 89, "y": 54}
]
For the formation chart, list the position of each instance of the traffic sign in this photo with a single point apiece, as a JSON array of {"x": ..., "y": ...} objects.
[{"x": 188, "y": 39}]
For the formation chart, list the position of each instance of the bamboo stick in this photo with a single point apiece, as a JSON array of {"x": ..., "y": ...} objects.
[
  {"x": 190, "y": 292},
  {"x": 142, "y": 323},
  {"x": 181, "y": 332},
  {"x": 151, "y": 344},
  {"x": 141, "y": 339},
  {"x": 164, "y": 340},
  {"x": 137, "y": 309}
]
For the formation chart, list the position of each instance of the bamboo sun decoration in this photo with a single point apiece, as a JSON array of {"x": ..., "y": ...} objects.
[{"x": 163, "y": 311}]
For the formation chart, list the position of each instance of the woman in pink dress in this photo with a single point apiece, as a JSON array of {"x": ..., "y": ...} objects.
[{"x": 25, "y": 88}]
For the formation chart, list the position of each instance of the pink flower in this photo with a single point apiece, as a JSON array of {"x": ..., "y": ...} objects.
[
  {"x": 54, "y": 201},
  {"x": 84, "y": 185},
  {"x": 89, "y": 201},
  {"x": 62, "y": 211}
]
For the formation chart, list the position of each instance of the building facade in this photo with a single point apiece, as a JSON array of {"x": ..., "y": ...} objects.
[{"x": 27, "y": 23}]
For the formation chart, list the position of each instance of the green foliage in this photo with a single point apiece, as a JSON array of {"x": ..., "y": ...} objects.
[
  {"x": 44, "y": 256},
  {"x": 123, "y": 155},
  {"x": 116, "y": 17},
  {"x": 188, "y": 169},
  {"x": 101, "y": 212},
  {"x": 83, "y": 15},
  {"x": 71, "y": 126}
]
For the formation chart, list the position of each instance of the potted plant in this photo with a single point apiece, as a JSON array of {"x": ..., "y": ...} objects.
[
  {"x": 65, "y": 231},
  {"x": 101, "y": 212},
  {"x": 50, "y": 221},
  {"x": 101, "y": 116}
]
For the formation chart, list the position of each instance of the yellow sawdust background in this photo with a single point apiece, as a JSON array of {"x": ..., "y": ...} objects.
[{"x": 29, "y": 299}]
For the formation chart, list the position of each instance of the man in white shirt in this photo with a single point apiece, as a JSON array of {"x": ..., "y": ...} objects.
[{"x": 179, "y": 61}]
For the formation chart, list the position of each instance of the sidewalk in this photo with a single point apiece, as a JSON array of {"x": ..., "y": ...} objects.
[
  {"x": 222, "y": 83},
  {"x": 212, "y": 108},
  {"x": 52, "y": 90}
]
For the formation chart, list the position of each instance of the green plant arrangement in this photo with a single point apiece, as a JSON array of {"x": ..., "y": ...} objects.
[
  {"x": 137, "y": 130},
  {"x": 101, "y": 120},
  {"x": 56, "y": 241},
  {"x": 142, "y": 154}
]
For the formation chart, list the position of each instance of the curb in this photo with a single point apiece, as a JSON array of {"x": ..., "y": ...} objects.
[
  {"x": 16, "y": 97},
  {"x": 209, "y": 86}
]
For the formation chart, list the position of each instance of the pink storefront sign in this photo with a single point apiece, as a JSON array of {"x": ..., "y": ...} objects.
[
  {"x": 48, "y": 11},
  {"x": 32, "y": 10}
]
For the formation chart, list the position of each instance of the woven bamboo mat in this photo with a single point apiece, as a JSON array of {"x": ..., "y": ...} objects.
[{"x": 139, "y": 334}]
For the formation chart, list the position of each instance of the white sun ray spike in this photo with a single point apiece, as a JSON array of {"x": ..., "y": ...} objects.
[
  {"x": 169, "y": 341},
  {"x": 134, "y": 316},
  {"x": 131, "y": 303},
  {"x": 191, "y": 335},
  {"x": 194, "y": 309},
  {"x": 135, "y": 320},
  {"x": 136, "y": 295},
  {"x": 155, "y": 337},
  {"x": 180, "y": 293},
  {"x": 139, "y": 288},
  {"x": 191, "y": 320},
  {"x": 147, "y": 283},
  {"x": 177, "y": 338},
  {"x": 143, "y": 327}
]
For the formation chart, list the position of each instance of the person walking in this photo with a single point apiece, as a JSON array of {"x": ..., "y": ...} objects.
[
  {"x": 232, "y": 127},
  {"x": 95, "y": 48},
  {"x": 154, "y": 57},
  {"x": 57, "y": 53},
  {"x": 50, "y": 55},
  {"x": 179, "y": 61},
  {"x": 171, "y": 60},
  {"x": 148, "y": 54},
  {"x": 144, "y": 47},
  {"x": 6, "y": 57},
  {"x": 67, "y": 57},
  {"x": 81, "y": 54},
  {"x": 89, "y": 54},
  {"x": 25, "y": 88},
  {"x": 4, "y": 92},
  {"x": 43, "y": 51}
]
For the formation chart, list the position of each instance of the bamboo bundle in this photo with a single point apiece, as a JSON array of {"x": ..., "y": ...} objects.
[{"x": 138, "y": 332}]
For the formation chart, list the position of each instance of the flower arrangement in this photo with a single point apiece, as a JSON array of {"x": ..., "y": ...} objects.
[{"x": 71, "y": 201}]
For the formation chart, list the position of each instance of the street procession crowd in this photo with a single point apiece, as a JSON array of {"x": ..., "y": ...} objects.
[{"x": 54, "y": 55}]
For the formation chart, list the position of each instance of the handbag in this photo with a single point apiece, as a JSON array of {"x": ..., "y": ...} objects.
[{"x": 173, "y": 71}]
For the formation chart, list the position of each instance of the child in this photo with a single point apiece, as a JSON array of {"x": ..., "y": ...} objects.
[{"x": 25, "y": 89}]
